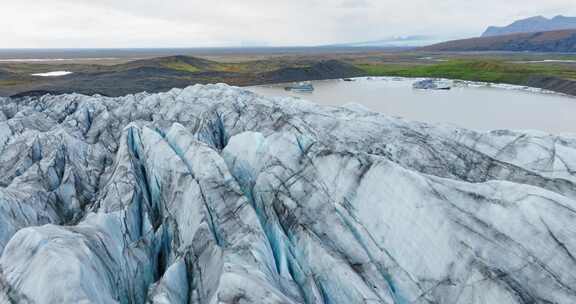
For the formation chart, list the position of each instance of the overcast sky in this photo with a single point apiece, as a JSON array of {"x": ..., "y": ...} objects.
[{"x": 200, "y": 23}]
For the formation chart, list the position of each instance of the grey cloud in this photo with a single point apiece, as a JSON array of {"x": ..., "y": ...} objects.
[
  {"x": 355, "y": 4},
  {"x": 144, "y": 23}
]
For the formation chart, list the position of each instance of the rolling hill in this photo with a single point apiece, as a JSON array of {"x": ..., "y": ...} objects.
[{"x": 164, "y": 73}]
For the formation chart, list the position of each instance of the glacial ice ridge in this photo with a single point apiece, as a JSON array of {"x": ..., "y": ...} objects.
[{"x": 213, "y": 194}]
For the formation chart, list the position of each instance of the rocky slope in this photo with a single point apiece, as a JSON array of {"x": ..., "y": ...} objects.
[
  {"x": 553, "y": 41},
  {"x": 533, "y": 24},
  {"x": 212, "y": 194}
]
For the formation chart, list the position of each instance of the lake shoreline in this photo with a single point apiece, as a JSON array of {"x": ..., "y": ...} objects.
[
  {"x": 546, "y": 85},
  {"x": 455, "y": 82},
  {"x": 470, "y": 105}
]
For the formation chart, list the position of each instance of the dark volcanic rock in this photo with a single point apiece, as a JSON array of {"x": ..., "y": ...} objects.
[
  {"x": 36, "y": 93},
  {"x": 330, "y": 69},
  {"x": 555, "y": 84}
]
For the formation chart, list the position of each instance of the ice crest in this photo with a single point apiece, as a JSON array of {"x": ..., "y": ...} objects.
[{"x": 213, "y": 194}]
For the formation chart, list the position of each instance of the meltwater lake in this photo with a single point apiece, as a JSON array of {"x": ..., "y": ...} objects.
[{"x": 468, "y": 105}]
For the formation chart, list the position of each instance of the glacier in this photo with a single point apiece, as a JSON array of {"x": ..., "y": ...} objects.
[{"x": 213, "y": 194}]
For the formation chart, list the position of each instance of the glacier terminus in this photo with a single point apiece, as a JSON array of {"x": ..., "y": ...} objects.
[{"x": 214, "y": 194}]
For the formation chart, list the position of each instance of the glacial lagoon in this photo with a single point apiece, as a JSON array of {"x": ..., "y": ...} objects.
[{"x": 469, "y": 105}]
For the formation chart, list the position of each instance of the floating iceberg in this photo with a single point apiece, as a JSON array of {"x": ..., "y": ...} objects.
[
  {"x": 53, "y": 74},
  {"x": 432, "y": 84},
  {"x": 213, "y": 194}
]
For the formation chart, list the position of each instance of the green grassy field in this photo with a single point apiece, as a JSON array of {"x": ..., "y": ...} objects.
[{"x": 474, "y": 70}]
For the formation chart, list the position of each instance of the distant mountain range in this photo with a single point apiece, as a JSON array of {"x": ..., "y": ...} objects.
[
  {"x": 551, "y": 41},
  {"x": 399, "y": 41},
  {"x": 533, "y": 24}
]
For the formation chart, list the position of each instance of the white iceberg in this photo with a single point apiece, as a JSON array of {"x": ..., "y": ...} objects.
[{"x": 53, "y": 74}]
